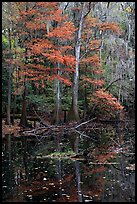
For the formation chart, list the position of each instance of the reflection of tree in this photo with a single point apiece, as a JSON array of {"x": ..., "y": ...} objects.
[
  {"x": 120, "y": 183},
  {"x": 59, "y": 174},
  {"x": 93, "y": 182},
  {"x": 64, "y": 180},
  {"x": 25, "y": 158},
  {"x": 78, "y": 181},
  {"x": 7, "y": 167}
]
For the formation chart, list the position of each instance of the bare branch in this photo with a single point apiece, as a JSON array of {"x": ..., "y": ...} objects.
[
  {"x": 89, "y": 9},
  {"x": 85, "y": 122},
  {"x": 112, "y": 83},
  {"x": 41, "y": 120},
  {"x": 66, "y": 6},
  {"x": 85, "y": 135}
]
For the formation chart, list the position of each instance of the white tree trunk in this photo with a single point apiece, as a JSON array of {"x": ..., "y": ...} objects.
[{"x": 76, "y": 74}]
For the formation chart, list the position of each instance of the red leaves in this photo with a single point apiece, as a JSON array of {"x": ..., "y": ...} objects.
[
  {"x": 106, "y": 103},
  {"x": 94, "y": 81},
  {"x": 94, "y": 44},
  {"x": 69, "y": 60},
  {"x": 65, "y": 80},
  {"x": 108, "y": 99},
  {"x": 105, "y": 157},
  {"x": 109, "y": 26},
  {"x": 65, "y": 31},
  {"x": 39, "y": 46},
  {"x": 94, "y": 60},
  {"x": 45, "y": 29},
  {"x": 94, "y": 170}
]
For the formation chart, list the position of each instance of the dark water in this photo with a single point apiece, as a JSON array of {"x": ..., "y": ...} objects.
[{"x": 28, "y": 175}]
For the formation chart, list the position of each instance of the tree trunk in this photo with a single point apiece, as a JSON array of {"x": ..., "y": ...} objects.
[
  {"x": 15, "y": 97},
  {"x": 85, "y": 103},
  {"x": 78, "y": 180},
  {"x": 57, "y": 103},
  {"x": 9, "y": 85},
  {"x": 9, "y": 98},
  {"x": 73, "y": 113},
  {"x": 57, "y": 113},
  {"x": 23, "y": 121},
  {"x": 14, "y": 110}
]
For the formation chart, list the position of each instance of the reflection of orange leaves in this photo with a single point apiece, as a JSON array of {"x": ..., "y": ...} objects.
[
  {"x": 89, "y": 171},
  {"x": 105, "y": 157},
  {"x": 68, "y": 178},
  {"x": 95, "y": 189},
  {"x": 65, "y": 198},
  {"x": 76, "y": 9},
  {"x": 98, "y": 170}
]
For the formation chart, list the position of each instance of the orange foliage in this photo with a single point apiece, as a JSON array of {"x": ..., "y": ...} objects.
[
  {"x": 109, "y": 26},
  {"x": 108, "y": 99},
  {"x": 90, "y": 22},
  {"x": 64, "y": 31},
  {"x": 103, "y": 100},
  {"x": 106, "y": 102},
  {"x": 94, "y": 44},
  {"x": 94, "y": 60},
  {"x": 93, "y": 81},
  {"x": 45, "y": 47}
]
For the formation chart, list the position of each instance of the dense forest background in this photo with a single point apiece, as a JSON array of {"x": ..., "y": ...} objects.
[{"x": 65, "y": 61}]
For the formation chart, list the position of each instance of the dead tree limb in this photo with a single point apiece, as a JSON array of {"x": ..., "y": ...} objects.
[
  {"x": 110, "y": 84},
  {"x": 85, "y": 122},
  {"x": 85, "y": 135}
]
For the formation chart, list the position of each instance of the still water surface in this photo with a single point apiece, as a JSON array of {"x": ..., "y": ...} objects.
[{"x": 28, "y": 175}]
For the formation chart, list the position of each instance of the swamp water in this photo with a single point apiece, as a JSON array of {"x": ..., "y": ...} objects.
[{"x": 47, "y": 170}]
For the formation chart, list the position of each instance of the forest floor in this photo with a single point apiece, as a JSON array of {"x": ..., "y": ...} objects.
[{"x": 10, "y": 129}]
